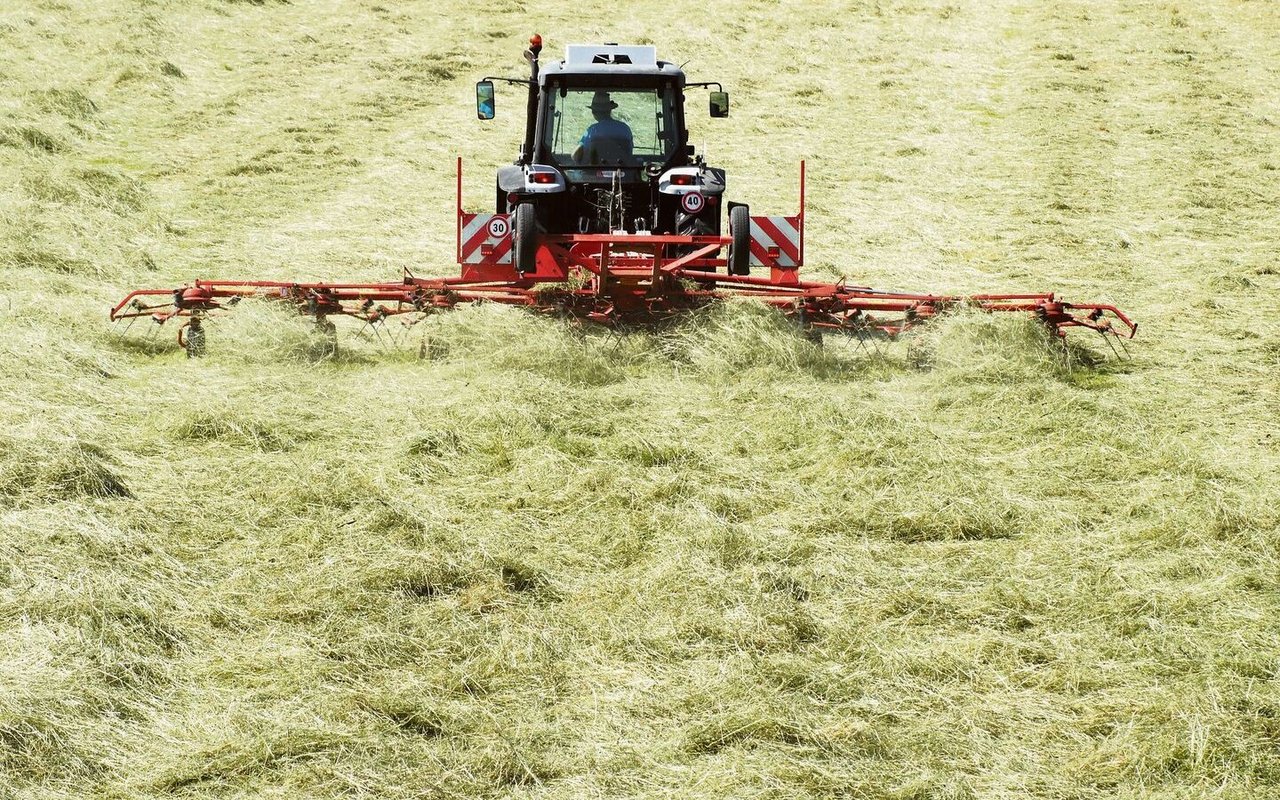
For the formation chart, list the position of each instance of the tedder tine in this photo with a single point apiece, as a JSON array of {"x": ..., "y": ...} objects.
[
  {"x": 391, "y": 335},
  {"x": 382, "y": 330},
  {"x": 1113, "y": 339},
  {"x": 1110, "y": 344},
  {"x": 1123, "y": 346},
  {"x": 862, "y": 342},
  {"x": 874, "y": 345}
]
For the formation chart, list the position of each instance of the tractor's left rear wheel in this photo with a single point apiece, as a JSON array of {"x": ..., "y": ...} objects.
[
  {"x": 525, "y": 230},
  {"x": 740, "y": 249}
]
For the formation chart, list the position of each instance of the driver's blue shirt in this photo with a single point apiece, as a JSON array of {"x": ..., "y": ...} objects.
[{"x": 609, "y": 129}]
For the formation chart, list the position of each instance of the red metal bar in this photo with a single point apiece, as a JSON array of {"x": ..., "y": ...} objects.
[
  {"x": 829, "y": 305},
  {"x": 678, "y": 264},
  {"x": 458, "y": 214},
  {"x": 802, "y": 205}
]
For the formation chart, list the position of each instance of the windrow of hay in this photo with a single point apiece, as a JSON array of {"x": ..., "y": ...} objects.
[{"x": 33, "y": 471}]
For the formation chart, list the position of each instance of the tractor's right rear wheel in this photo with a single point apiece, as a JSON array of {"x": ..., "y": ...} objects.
[
  {"x": 740, "y": 248},
  {"x": 525, "y": 230}
]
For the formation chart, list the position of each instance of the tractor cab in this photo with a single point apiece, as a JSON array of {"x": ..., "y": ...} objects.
[
  {"x": 606, "y": 148},
  {"x": 611, "y": 106}
]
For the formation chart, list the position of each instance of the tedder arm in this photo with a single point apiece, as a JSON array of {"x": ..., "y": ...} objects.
[{"x": 667, "y": 289}]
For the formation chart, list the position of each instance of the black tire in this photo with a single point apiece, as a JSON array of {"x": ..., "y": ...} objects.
[
  {"x": 524, "y": 226},
  {"x": 740, "y": 249}
]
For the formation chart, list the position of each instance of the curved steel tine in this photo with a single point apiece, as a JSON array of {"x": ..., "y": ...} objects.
[
  {"x": 1111, "y": 344},
  {"x": 391, "y": 334},
  {"x": 1124, "y": 346},
  {"x": 862, "y": 341},
  {"x": 868, "y": 340},
  {"x": 377, "y": 334}
]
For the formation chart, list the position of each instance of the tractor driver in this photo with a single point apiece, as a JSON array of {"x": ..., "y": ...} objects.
[{"x": 607, "y": 140}]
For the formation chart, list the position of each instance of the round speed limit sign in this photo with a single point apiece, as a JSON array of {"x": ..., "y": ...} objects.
[
  {"x": 498, "y": 227},
  {"x": 693, "y": 202}
]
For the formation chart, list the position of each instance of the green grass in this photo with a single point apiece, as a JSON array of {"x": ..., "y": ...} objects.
[{"x": 508, "y": 557}]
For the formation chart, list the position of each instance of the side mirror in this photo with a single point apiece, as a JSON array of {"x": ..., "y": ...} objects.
[
  {"x": 719, "y": 104},
  {"x": 484, "y": 100}
]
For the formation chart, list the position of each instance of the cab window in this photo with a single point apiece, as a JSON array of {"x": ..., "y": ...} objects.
[{"x": 589, "y": 126}]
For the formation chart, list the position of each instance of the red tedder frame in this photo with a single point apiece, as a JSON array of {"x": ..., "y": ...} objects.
[{"x": 618, "y": 279}]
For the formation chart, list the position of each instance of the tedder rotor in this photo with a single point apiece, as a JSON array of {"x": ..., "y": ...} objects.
[{"x": 609, "y": 216}]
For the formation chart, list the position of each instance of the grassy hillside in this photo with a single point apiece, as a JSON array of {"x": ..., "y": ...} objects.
[{"x": 711, "y": 562}]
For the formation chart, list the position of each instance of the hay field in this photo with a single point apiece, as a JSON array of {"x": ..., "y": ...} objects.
[{"x": 712, "y": 562}]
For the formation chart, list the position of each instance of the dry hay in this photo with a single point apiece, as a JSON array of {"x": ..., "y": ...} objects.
[{"x": 494, "y": 555}]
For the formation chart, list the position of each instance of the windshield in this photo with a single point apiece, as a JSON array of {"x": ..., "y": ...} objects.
[{"x": 611, "y": 126}]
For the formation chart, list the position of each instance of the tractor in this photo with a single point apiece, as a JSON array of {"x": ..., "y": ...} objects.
[{"x": 606, "y": 151}]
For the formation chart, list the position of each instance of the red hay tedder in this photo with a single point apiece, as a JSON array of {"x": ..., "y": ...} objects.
[{"x": 609, "y": 216}]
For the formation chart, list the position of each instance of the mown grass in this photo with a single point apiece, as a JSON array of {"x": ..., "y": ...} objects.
[{"x": 495, "y": 555}]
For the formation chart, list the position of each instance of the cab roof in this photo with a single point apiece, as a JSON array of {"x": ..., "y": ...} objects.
[{"x": 602, "y": 60}]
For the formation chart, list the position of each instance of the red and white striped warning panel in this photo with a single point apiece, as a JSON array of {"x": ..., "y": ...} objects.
[
  {"x": 775, "y": 242},
  {"x": 486, "y": 239}
]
